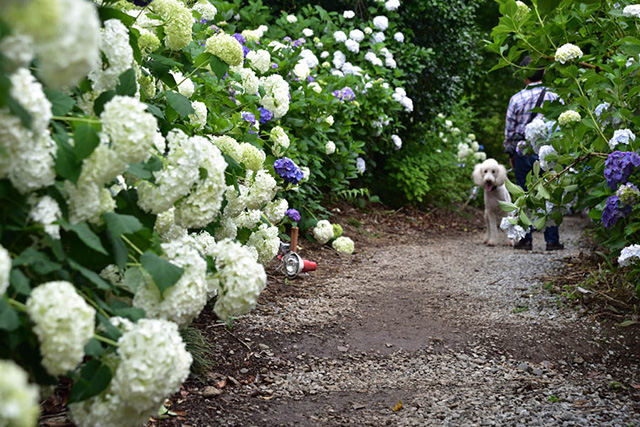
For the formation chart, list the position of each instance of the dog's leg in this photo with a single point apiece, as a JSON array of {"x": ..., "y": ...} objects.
[
  {"x": 487, "y": 235},
  {"x": 492, "y": 228}
]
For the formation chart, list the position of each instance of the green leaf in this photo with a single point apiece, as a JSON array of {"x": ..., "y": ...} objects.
[
  {"x": 61, "y": 103},
  {"x": 94, "y": 377},
  {"x": 218, "y": 66},
  {"x": 36, "y": 261},
  {"x": 119, "y": 250},
  {"x": 122, "y": 224},
  {"x": 524, "y": 218},
  {"x": 20, "y": 282},
  {"x": 180, "y": 103},
  {"x": 85, "y": 234},
  {"x": 132, "y": 313},
  {"x": 91, "y": 276},
  {"x": 94, "y": 348},
  {"x": 98, "y": 105},
  {"x": 85, "y": 140},
  {"x": 19, "y": 111},
  {"x": 164, "y": 274},
  {"x": 627, "y": 323},
  {"x": 133, "y": 278},
  {"x": 127, "y": 85},
  {"x": 542, "y": 192},
  {"x": 66, "y": 165},
  {"x": 539, "y": 223},
  {"x": 514, "y": 189},
  {"x": 547, "y": 6},
  {"x": 9, "y": 320},
  {"x": 507, "y": 206}
]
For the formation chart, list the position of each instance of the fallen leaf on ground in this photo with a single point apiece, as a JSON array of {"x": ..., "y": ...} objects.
[{"x": 398, "y": 406}]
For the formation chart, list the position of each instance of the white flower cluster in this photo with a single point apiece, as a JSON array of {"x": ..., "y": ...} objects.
[
  {"x": 621, "y": 136},
  {"x": 114, "y": 44},
  {"x": 535, "y": 130},
  {"x": 205, "y": 9},
  {"x": 276, "y": 97},
  {"x": 545, "y": 150},
  {"x": 323, "y": 231},
  {"x": 226, "y": 48},
  {"x": 259, "y": 60},
  {"x": 330, "y": 147},
  {"x": 400, "y": 95},
  {"x": 5, "y": 269},
  {"x": 45, "y": 211},
  {"x": 67, "y": 46},
  {"x": 29, "y": 155},
  {"x": 183, "y": 301},
  {"x": 199, "y": 118},
  {"x": 514, "y": 231},
  {"x": 18, "y": 399},
  {"x": 185, "y": 85},
  {"x": 568, "y": 52},
  {"x": 629, "y": 255},
  {"x": 348, "y": 14},
  {"x": 266, "y": 241},
  {"x": 309, "y": 58},
  {"x": 381, "y": 22},
  {"x": 569, "y": 116},
  {"x": 343, "y": 244},
  {"x": 340, "y": 36},
  {"x": 276, "y": 210},
  {"x": 392, "y": 5},
  {"x": 397, "y": 141},
  {"x": 63, "y": 323},
  {"x": 152, "y": 363},
  {"x": 632, "y": 10},
  {"x": 178, "y": 22},
  {"x": 241, "y": 277},
  {"x": 280, "y": 140},
  {"x": 292, "y": 19}
]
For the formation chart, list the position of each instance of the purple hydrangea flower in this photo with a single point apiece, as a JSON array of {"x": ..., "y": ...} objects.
[
  {"x": 287, "y": 39},
  {"x": 288, "y": 170},
  {"x": 619, "y": 166},
  {"x": 249, "y": 117},
  {"x": 344, "y": 94},
  {"x": 265, "y": 115},
  {"x": 613, "y": 211},
  {"x": 242, "y": 39},
  {"x": 274, "y": 66},
  {"x": 293, "y": 214},
  {"x": 299, "y": 42},
  {"x": 202, "y": 21},
  {"x": 245, "y": 51}
]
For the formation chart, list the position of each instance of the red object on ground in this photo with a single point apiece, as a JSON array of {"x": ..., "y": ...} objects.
[{"x": 309, "y": 265}]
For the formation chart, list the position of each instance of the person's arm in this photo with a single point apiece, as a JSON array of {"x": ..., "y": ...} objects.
[{"x": 510, "y": 125}]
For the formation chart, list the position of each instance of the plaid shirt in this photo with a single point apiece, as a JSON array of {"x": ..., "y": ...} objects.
[{"x": 520, "y": 107}]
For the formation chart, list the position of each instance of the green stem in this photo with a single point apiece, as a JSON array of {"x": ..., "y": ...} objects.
[
  {"x": 535, "y": 7},
  {"x": 75, "y": 119},
  {"x": 17, "y": 305},
  {"x": 135, "y": 248},
  {"x": 105, "y": 340},
  {"x": 93, "y": 303},
  {"x": 593, "y": 119}
]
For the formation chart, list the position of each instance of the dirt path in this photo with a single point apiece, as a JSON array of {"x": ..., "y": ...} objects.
[{"x": 459, "y": 333}]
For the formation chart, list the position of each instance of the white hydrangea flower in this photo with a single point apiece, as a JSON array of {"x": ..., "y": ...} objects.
[
  {"x": 343, "y": 244},
  {"x": 131, "y": 129},
  {"x": 352, "y": 46},
  {"x": 114, "y": 44},
  {"x": 292, "y": 19},
  {"x": 523, "y": 9},
  {"x": 632, "y": 10},
  {"x": 361, "y": 165},
  {"x": 309, "y": 58},
  {"x": 18, "y": 49},
  {"x": 392, "y": 5},
  {"x": 381, "y": 22},
  {"x": 19, "y": 400},
  {"x": 368, "y": 30},
  {"x": 227, "y": 230},
  {"x": 45, "y": 211},
  {"x": 323, "y": 231},
  {"x": 87, "y": 202},
  {"x": 535, "y": 131},
  {"x": 339, "y": 59},
  {"x": 569, "y": 116},
  {"x": 480, "y": 156},
  {"x": 397, "y": 141},
  {"x": 185, "y": 85},
  {"x": 514, "y": 231},
  {"x": 67, "y": 46},
  {"x": 182, "y": 302},
  {"x": 226, "y": 48},
  {"x": 178, "y": 22},
  {"x": 259, "y": 60},
  {"x": 378, "y": 37},
  {"x": 250, "y": 81},
  {"x": 372, "y": 58},
  {"x": 629, "y": 255},
  {"x": 248, "y": 219},
  {"x": 242, "y": 279},
  {"x": 621, "y": 136},
  {"x": 203, "y": 203},
  {"x": 5, "y": 269},
  {"x": 330, "y": 147},
  {"x": 329, "y": 120},
  {"x": 63, "y": 323},
  {"x": 276, "y": 97},
  {"x": 390, "y": 62},
  {"x": 306, "y": 173},
  {"x": 340, "y": 36},
  {"x": 280, "y": 139},
  {"x": 199, "y": 118},
  {"x": 301, "y": 70},
  {"x": 315, "y": 86},
  {"x": 252, "y": 157},
  {"x": 262, "y": 187},
  {"x": 266, "y": 241},
  {"x": 568, "y": 52},
  {"x": 399, "y": 37},
  {"x": 348, "y": 14},
  {"x": 276, "y": 210},
  {"x": 167, "y": 228},
  {"x": 545, "y": 150},
  {"x": 152, "y": 363},
  {"x": 356, "y": 35},
  {"x": 206, "y": 10},
  {"x": 308, "y": 32}
]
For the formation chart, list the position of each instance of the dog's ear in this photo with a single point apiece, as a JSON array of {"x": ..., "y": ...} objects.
[
  {"x": 477, "y": 174},
  {"x": 502, "y": 175}
]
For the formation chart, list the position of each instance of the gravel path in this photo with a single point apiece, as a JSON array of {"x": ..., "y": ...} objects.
[{"x": 460, "y": 333}]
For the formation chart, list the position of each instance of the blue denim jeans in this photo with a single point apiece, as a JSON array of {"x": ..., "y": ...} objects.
[{"x": 522, "y": 165}]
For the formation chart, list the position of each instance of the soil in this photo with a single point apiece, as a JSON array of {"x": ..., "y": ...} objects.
[{"x": 422, "y": 325}]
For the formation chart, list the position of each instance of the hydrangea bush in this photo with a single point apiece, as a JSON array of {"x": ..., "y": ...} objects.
[{"x": 590, "y": 160}]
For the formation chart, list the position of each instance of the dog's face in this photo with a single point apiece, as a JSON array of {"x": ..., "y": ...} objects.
[{"x": 489, "y": 174}]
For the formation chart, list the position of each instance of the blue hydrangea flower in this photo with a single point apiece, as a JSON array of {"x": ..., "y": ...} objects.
[
  {"x": 265, "y": 115},
  {"x": 619, "y": 166},
  {"x": 293, "y": 214},
  {"x": 288, "y": 170},
  {"x": 242, "y": 39},
  {"x": 345, "y": 94},
  {"x": 249, "y": 117},
  {"x": 614, "y": 210}
]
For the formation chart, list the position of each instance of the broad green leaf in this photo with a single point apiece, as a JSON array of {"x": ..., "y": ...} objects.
[
  {"x": 9, "y": 320},
  {"x": 164, "y": 274},
  {"x": 20, "y": 282},
  {"x": 524, "y": 218},
  {"x": 132, "y": 313},
  {"x": 94, "y": 348},
  {"x": 507, "y": 206},
  {"x": 98, "y": 105},
  {"x": 133, "y": 278},
  {"x": 66, "y": 165},
  {"x": 36, "y": 261},
  {"x": 85, "y": 140},
  {"x": 514, "y": 189},
  {"x": 61, "y": 103},
  {"x": 127, "y": 84},
  {"x": 627, "y": 323},
  {"x": 19, "y": 111},
  {"x": 218, "y": 66},
  {"x": 122, "y": 224},
  {"x": 94, "y": 377},
  {"x": 91, "y": 276},
  {"x": 542, "y": 192},
  {"x": 539, "y": 223},
  {"x": 85, "y": 234},
  {"x": 180, "y": 103}
]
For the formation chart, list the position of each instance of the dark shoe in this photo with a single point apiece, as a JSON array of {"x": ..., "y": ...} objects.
[
  {"x": 524, "y": 245},
  {"x": 555, "y": 246}
]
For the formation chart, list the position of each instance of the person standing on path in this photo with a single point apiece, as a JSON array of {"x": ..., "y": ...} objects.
[{"x": 519, "y": 114}]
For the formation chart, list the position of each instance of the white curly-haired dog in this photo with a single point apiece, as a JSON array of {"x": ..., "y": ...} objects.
[{"x": 492, "y": 176}]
